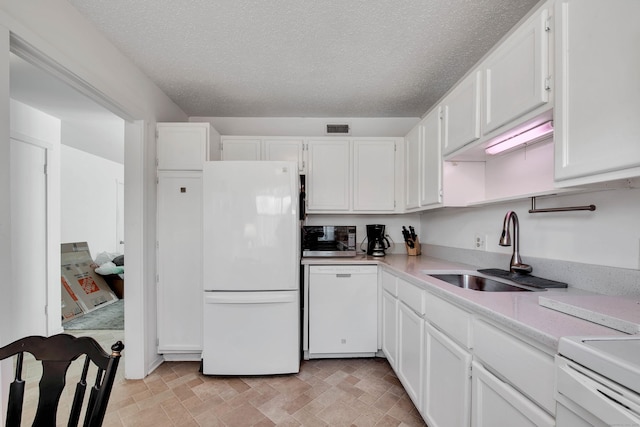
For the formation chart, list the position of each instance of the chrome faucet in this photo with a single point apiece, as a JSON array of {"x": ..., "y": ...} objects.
[{"x": 516, "y": 265}]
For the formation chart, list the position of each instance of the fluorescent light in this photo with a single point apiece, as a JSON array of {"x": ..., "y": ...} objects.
[{"x": 528, "y": 135}]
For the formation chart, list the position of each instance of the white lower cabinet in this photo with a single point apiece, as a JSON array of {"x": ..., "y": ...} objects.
[
  {"x": 447, "y": 385},
  {"x": 459, "y": 369},
  {"x": 390, "y": 328},
  {"x": 410, "y": 352},
  {"x": 497, "y": 404},
  {"x": 524, "y": 366}
]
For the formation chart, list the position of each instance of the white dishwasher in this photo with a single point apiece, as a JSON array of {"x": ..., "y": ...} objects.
[{"x": 343, "y": 310}]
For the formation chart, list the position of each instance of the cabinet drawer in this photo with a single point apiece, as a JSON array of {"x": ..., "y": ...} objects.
[
  {"x": 495, "y": 403},
  {"x": 450, "y": 319},
  {"x": 523, "y": 366},
  {"x": 389, "y": 283},
  {"x": 412, "y": 296}
]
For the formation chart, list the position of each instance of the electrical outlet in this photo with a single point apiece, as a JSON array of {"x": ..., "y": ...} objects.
[{"x": 480, "y": 242}]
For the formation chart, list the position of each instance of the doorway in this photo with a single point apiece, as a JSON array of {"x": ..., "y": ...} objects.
[{"x": 90, "y": 177}]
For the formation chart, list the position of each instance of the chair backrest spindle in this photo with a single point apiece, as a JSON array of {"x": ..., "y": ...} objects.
[
  {"x": 56, "y": 354},
  {"x": 78, "y": 397},
  {"x": 16, "y": 394}
]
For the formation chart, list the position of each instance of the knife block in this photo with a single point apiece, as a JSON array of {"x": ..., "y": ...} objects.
[{"x": 416, "y": 248}]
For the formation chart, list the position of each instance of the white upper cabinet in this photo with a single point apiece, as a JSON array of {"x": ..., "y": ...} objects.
[
  {"x": 329, "y": 178},
  {"x": 461, "y": 110},
  {"x": 412, "y": 168},
  {"x": 241, "y": 149},
  {"x": 351, "y": 175},
  {"x": 431, "y": 160},
  {"x": 182, "y": 146},
  {"x": 264, "y": 148},
  {"x": 516, "y": 74},
  {"x": 374, "y": 175},
  {"x": 597, "y": 130},
  {"x": 284, "y": 149},
  {"x": 423, "y": 163}
]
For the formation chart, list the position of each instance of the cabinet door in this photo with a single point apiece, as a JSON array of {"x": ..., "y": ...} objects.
[
  {"x": 506, "y": 355},
  {"x": 412, "y": 168},
  {"x": 516, "y": 72},
  {"x": 241, "y": 149},
  {"x": 496, "y": 404},
  {"x": 431, "y": 160},
  {"x": 374, "y": 175},
  {"x": 180, "y": 293},
  {"x": 390, "y": 328},
  {"x": 410, "y": 353},
  {"x": 284, "y": 149},
  {"x": 462, "y": 114},
  {"x": 597, "y": 105},
  {"x": 328, "y": 180},
  {"x": 447, "y": 387},
  {"x": 182, "y": 146}
]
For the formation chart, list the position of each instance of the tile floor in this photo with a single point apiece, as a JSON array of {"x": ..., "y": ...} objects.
[{"x": 327, "y": 392}]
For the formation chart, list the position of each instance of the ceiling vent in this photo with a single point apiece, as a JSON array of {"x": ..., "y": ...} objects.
[{"x": 338, "y": 129}]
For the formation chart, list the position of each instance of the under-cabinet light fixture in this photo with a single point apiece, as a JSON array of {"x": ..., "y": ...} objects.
[{"x": 528, "y": 135}]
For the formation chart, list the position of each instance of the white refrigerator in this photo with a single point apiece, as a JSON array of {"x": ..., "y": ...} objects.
[{"x": 251, "y": 258}]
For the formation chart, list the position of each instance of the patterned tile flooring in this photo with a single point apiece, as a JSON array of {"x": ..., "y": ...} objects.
[{"x": 326, "y": 392}]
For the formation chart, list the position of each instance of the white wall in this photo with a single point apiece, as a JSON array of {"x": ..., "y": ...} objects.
[
  {"x": 308, "y": 126},
  {"x": 88, "y": 199},
  {"x": 103, "y": 137},
  {"x": 609, "y": 236}
]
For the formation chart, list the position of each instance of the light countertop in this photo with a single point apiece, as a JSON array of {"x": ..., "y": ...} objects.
[{"x": 518, "y": 311}]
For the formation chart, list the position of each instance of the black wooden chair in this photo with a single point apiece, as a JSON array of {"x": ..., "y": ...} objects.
[{"x": 56, "y": 354}]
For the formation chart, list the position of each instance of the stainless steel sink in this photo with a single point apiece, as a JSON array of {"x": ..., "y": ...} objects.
[{"x": 478, "y": 283}]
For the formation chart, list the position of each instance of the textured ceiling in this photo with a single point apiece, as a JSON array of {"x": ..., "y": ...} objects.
[{"x": 304, "y": 58}]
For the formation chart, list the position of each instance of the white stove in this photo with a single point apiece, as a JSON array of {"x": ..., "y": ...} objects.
[
  {"x": 616, "y": 358},
  {"x": 598, "y": 381}
]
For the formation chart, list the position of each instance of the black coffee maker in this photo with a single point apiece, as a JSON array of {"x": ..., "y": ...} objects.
[{"x": 377, "y": 243}]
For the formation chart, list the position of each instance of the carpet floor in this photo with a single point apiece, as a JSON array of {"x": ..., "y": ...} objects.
[{"x": 109, "y": 317}]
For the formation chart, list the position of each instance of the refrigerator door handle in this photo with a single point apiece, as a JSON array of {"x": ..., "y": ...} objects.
[{"x": 248, "y": 298}]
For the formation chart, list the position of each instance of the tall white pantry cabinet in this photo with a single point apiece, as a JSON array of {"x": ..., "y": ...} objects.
[{"x": 182, "y": 149}]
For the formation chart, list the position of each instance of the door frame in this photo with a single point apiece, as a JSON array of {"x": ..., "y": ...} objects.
[{"x": 137, "y": 326}]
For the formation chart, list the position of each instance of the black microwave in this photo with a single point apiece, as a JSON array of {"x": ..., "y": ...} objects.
[{"x": 329, "y": 240}]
